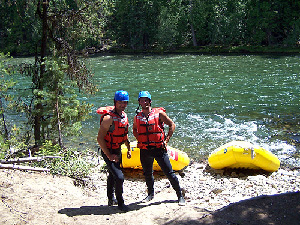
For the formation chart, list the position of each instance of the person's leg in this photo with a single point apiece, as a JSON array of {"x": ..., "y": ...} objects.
[
  {"x": 115, "y": 180},
  {"x": 163, "y": 161},
  {"x": 110, "y": 189},
  {"x": 147, "y": 164},
  {"x": 119, "y": 180}
]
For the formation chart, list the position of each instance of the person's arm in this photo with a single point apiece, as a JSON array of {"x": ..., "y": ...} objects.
[
  {"x": 134, "y": 128},
  {"x": 165, "y": 119},
  {"x": 105, "y": 125},
  {"x": 127, "y": 143}
]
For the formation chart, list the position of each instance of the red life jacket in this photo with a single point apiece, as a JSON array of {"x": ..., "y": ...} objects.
[
  {"x": 105, "y": 109},
  {"x": 117, "y": 133},
  {"x": 150, "y": 129}
]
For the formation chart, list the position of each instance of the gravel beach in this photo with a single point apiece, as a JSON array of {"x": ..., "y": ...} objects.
[{"x": 212, "y": 197}]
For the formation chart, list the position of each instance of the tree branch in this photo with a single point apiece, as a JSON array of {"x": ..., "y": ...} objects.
[
  {"x": 17, "y": 167},
  {"x": 29, "y": 159}
]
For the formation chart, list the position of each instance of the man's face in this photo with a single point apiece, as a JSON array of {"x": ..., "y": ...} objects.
[
  {"x": 121, "y": 105},
  {"x": 145, "y": 102}
]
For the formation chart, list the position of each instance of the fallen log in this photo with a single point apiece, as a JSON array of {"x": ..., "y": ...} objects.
[
  {"x": 18, "y": 167},
  {"x": 28, "y": 159}
]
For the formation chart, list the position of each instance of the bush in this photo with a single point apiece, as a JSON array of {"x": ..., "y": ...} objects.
[
  {"x": 71, "y": 163},
  {"x": 67, "y": 162}
]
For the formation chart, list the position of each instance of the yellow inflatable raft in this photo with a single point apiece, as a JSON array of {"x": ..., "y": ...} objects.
[
  {"x": 242, "y": 154},
  {"x": 178, "y": 159}
]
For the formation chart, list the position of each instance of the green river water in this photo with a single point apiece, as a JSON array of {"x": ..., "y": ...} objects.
[{"x": 213, "y": 99}]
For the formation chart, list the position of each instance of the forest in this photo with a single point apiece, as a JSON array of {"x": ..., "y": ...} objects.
[{"x": 149, "y": 25}]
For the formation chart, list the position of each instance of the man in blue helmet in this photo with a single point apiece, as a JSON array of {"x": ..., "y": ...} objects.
[
  {"x": 148, "y": 128},
  {"x": 112, "y": 134}
]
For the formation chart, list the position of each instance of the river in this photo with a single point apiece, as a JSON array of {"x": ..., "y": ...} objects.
[{"x": 213, "y": 99}]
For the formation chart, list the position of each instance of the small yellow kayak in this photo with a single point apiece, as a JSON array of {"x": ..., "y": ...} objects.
[
  {"x": 178, "y": 159},
  {"x": 242, "y": 154}
]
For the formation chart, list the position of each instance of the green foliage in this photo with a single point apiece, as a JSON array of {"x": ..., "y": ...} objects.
[
  {"x": 72, "y": 163},
  {"x": 54, "y": 110},
  {"x": 60, "y": 102},
  {"x": 272, "y": 22},
  {"x": 133, "y": 23},
  {"x": 77, "y": 167},
  {"x": 10, "y": 134},
  {"x": 49, "y": 149},
  {"x": 144, "y": 24},
  {"x": 78, "y": 23},
  {"x": 225, "y": 22},
  {"x": 13, "y": 144},
  {"x": 6, "y": 82},
  {"x": 18, "y": 27},
  {"x": 226, "y": 26},
  {"x": 171, "y": 26}
]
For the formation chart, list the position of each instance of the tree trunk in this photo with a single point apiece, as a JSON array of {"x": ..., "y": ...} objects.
[
  {"x": 58, "y": 124},
  {"x": 28, "y": 159},
  {"x": 194, "y": 36},
  {"x": 38, "y": 83},
  {"x": 17, "y": 167},
  {"x": 4, "y": 123},
  {"x": 191, "y": 24}
]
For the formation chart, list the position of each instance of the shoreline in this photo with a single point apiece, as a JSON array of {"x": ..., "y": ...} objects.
[
  {"x": 210, "y": 188},
  {"x": 212, "y": 197}
]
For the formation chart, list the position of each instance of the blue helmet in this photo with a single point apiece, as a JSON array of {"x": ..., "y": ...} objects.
[
  {"x": 121, "y": 96},
  {"x": 145, "y": 94}
]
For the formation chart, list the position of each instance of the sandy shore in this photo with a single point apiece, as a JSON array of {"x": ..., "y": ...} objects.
[{"x": 212, "y": 197}]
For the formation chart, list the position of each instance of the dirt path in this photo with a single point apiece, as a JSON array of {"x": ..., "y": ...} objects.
[{"x": 34, "y": 198}]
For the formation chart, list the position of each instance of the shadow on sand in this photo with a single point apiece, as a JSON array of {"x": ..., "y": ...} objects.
[
  {"x": 280, "y": 209},
  {"x": 106, "y": 210}
]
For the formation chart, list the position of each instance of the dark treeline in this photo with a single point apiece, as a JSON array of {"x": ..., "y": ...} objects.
[{"x": 163, "y": 24}]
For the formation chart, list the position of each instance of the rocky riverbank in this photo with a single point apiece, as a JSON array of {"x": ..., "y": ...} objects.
[
  {"x": 212, "y": 197},
  {"x": 213, "y": 189}
]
